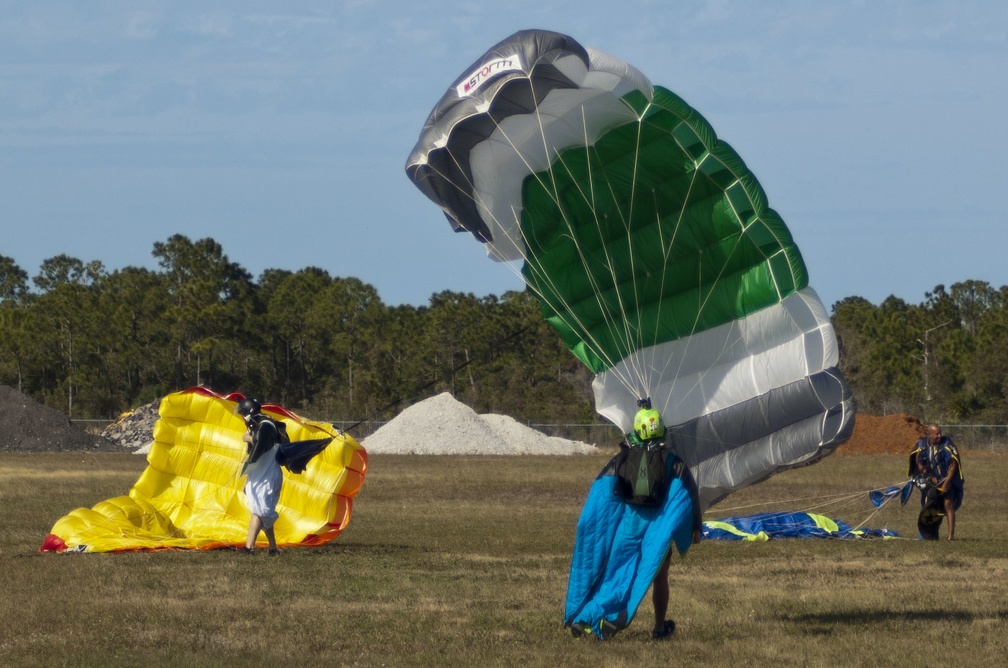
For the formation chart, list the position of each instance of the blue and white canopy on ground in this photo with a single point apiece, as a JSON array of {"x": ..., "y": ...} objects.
[
  {"x": 766, "y": 526},
  {"x": 651, "y": 247}
]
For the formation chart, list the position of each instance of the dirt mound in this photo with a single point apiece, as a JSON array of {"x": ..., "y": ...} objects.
[
  {"x": 890, "y": 435},
  {"x": 134, "y": 429},
  {"x": 28, "y": 426}
]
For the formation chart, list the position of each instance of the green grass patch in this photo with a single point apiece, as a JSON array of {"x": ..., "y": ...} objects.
[{"x": 459, "y": 561}]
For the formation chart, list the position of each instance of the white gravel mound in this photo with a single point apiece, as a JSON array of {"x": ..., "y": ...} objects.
[{"x": 443, "y": 426}]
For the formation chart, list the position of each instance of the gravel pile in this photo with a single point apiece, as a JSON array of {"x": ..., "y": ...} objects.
[
  {"x": 134, "y": 430},
  {"x": 443, "y": 426},
  {"x": 28, "y": 426}
]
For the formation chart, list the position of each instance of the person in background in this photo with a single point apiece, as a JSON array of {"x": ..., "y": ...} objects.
[
  {"x": 265, "y": 478},
  {"x": 936, "y": 460}
]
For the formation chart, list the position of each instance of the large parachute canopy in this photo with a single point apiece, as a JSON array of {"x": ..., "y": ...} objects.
[
  {"x": 651, "y": 248},
  {"x": 190, "y": 495}
]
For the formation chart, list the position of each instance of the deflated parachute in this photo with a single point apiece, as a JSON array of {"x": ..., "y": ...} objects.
[
  {"x": 765, "y": 526},
  {"x": 651, "y": 248},
  {"x": 190, "y": 496}
]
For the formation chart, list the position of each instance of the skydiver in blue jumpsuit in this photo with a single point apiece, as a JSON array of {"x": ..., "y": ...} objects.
[{"x": 623, "y": 548}]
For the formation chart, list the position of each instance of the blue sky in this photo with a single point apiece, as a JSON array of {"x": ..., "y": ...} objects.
[{"x": 281, "y": 129}]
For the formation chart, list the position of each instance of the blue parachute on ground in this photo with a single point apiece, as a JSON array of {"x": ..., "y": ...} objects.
[{"x": 766, "y": 526}]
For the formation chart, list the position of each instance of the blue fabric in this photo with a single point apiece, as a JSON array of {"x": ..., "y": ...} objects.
[
  {"x": 938, "y": 459},
  {"x": 880, "y": 496},
  {"x": 788, "y": 525},
  {"x": 618, "y": 549}
]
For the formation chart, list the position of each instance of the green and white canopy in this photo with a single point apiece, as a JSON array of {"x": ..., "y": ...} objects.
[{"x": 651, "y": 248}]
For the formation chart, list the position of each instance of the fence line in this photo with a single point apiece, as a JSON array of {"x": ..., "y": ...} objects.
[
  {"x": 978, "y": 436},
  {"x": 993, "y": 437},
  {"x": 967, "y": 436}
]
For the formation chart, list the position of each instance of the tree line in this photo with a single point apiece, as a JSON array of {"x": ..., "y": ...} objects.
[
  {"x": 94, "y": 343},
  {"x": 944, "y": 359}
]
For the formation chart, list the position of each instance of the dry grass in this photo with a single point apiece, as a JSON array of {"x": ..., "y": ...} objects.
[{"x": 463, "y": 561}]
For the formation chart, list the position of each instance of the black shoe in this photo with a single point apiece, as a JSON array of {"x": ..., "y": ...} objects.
[
  {"x": 607, "y": 629},
  {"x": 245, "y": 550},
  {"x": 274, "y": 552},
  {"x": 665, "y": 632},
  {"x": 579, "y": 630}
]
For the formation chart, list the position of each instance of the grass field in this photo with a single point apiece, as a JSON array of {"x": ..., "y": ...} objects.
[{"x": 463, "y": 561}]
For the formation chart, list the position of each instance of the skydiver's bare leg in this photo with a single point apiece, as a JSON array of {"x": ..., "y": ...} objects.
[
  {"x": 271, "y": 537},
  {"x": 255, "y": 525},
  {"x": 950, "y": 514},
  {"x": 660, "y": 593}
]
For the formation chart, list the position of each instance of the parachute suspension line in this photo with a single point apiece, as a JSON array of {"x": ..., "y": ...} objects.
[
  {"x": 604, "y": 307},
  {"x": 522, "y": 246},
  {"x": 704, "y": 299},
  {"x": 865, "y": 520},
  {"x": 826, "y": 499},
  {"x": 545, "y": 277},
  {"x": 589, "y": 199},
  {"x": 650, "y": 364},
  {"x": 631, "y": 334},
  {"x": 851, "y": 499},
  {"x": 875, "y": 511},
  {"x": 613, "y": 321},
  {"x": 535, "y": 267},
  {"x": 641, "y": 367},
  {"x": 700, "y": 304},
  {"x": 666, "y": 255},
  {"x": 667, "y": 250},
  {"x": 592, "y": 206}
]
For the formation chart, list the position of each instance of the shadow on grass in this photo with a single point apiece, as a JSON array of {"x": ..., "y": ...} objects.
[{"x": 866, "y": 616}]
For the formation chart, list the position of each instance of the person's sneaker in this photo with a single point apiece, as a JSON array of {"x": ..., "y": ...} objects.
[
  {"x": 579, "y": 630},
  {"x": 665, "y": 632},
  {"x": 274, "y": 552},
  {"x": 607, "y": 629},
  {"x": 245, "y": 550}
]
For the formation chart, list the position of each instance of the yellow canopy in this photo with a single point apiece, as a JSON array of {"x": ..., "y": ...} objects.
[{"x": 190, "y": 496}]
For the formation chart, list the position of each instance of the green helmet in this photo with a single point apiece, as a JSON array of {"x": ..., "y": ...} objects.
[{"x": 648, "y": 424}]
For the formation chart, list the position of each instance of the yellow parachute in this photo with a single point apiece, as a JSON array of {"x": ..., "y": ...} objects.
[{"x": 190, "y": 496}]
